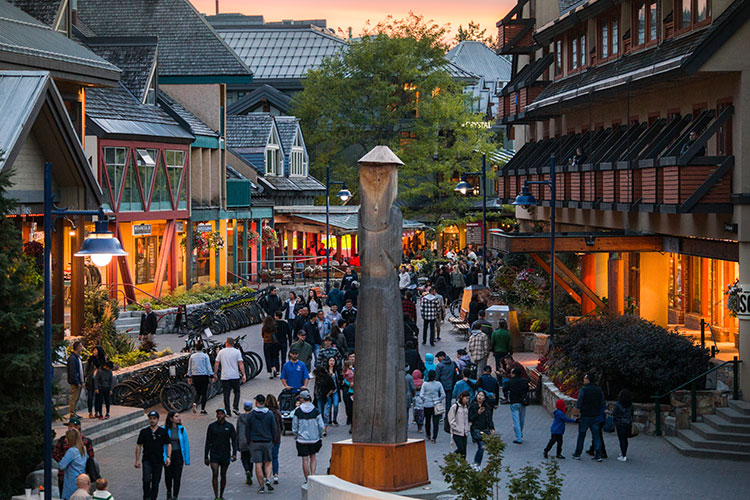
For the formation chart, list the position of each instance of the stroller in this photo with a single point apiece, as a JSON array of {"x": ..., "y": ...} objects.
[{"x": 287, "y": 400}]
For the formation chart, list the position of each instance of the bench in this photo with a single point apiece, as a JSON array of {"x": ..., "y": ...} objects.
[
  {"x": 460, "y": 324},
  {"x": 535, "y": 385}
]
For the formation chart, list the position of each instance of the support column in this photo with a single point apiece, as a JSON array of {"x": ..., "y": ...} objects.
[
  {"x": 58, "y": 284},
  {"x": 172, "y": 263},
  {"x": 588, "y": 276},
  {"x": 237, "y": 250},
  {"x": 616, "y": 285},
  {"x": 602, "y": 274},
  {"x": 217, "y": 256},
  {"x": 189, "y": 254},
  {"x": 77, "y": 272},
  {"x": 654, "y": 287}
]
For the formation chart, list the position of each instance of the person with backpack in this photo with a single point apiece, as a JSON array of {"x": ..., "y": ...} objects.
[
  {"x": 479, "y": 348},
  {"x": 447, "y": 374},
  {"x": 458, "y": 419},
  {"x": 268, "y": 332},
  {"x": 623, "y": 417},
  {"x": 243, "y": 446}
]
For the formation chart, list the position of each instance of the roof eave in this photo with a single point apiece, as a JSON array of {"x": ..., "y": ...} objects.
[{"x": 63, "y": 70}]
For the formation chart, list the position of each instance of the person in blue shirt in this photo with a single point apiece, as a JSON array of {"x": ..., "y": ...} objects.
[
  {"x": 294, "y": 374},
  {"x": 465, "y": 384},
  {"x": 73, "y": 462},
  {"x": 558, "y": 428},
  {"x": 490, "y": 386},
  {"x": 335, "y": 296}
]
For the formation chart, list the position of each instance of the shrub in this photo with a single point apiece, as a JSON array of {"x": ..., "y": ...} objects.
[{"x": 626, "y": 352}]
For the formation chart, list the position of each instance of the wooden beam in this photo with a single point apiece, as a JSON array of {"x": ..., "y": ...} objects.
[
  {"x": 125, "y": 274},
  {"x": 586, "y": 244},
  {"x": 161, "y": 266},
  {"x": 558, "y": 277},
  {"x": 710, "y": 182},
  {"x": 709, "y": 131},
  {"x": 590, "y": 294}
]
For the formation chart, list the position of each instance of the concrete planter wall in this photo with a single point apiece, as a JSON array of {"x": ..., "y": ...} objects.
[{"x": 537, "y": 343}]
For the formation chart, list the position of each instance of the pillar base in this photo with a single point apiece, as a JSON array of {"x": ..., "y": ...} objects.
[{"x": 384, "y": 467}]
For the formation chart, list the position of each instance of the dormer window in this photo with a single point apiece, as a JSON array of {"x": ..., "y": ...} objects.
[
  {"x": 297, "y": 163},
  {"x": 691, "y": 13},
  {"x": 273, "y": 155}
]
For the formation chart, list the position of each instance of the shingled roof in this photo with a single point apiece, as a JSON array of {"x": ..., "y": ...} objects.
[
  {"x": 188, "y": 119},
  {"x": 287, "y": 127},
  {"x": 188, "y": 45},
  {"x": 28, "y": 43},
  {"x": 254, "y": 99},
  {"x": 480, "y": 60},
  {"x": 45, "y": 11},
  {"x": 135, "y": 56}
]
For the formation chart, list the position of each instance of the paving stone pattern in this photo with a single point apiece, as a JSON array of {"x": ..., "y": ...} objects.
[{"x": 655, "y": 470}]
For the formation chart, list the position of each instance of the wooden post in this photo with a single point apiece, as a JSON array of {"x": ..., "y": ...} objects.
[
  {"x": 58, "y": 283},
  {"x": 616, "y": 285},
  {"x": 588, "y": 276},
  {"x": 77, "y": 272}
]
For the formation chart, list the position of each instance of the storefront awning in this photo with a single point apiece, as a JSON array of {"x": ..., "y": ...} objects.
[{"x": 349, "y": 223}]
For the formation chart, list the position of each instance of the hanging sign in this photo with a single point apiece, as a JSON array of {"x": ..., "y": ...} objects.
[
  {"x": 203, "y": 228},
  {"x": 180, "y": 226},
  {"x": 474, "y": 233},
  {"x": 743, "y": 302},
  {"x": 141, "y": 229}
]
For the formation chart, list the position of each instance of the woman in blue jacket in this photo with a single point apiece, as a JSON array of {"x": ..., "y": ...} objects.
[{"x": 180, "y": 454}]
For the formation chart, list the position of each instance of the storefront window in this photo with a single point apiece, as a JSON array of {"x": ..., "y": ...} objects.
[
  {"x": 146, "y": 257},
  {"x": 146, "y": 160},
  {"x": 114, "y": 159},
  {"x": 160, "y": 199},
  {"x": 131, "y": 195},
  {"x": 175, "y": 167},
  {"x": 675, "y": 281}
]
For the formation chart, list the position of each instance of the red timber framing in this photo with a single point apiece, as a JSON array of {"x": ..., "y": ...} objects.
[{"x": 162, "y": 178}]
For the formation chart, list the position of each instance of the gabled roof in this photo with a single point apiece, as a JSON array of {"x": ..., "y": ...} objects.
[
  {"x": 116, "y": 113},
  {"x": 135, "y": 56},
  {"x": 459, "y": 73},
  {"x": 249, "y": 131},
  {"x": 45, "y": 11},
  {"x": 282, "y": 52},
  {"x": 566, "y": 5},
  {"x": 280, "y": 183},
  {"x": 24, "y": 95},
  {"x": 27, "y": 43},
  {"x": 478, "y": 59},
  {"x": 185, "y": 117},
  {"x": 287, "y": 127},
  {"x": 188, "y": 46},
  {"x": 276, "y": 98}
]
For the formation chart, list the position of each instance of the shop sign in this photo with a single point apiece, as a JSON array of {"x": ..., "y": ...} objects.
[
  {"x": 287, "y": 274},
  {"x": 474, "y": 233},
  {"x": 408, "y": 233},
  {"x": 743, "y": 302},
  {"x": 141, "y": 229},
  {"x": 203, "y": 228},
  {"x": 180, "y": 226}
]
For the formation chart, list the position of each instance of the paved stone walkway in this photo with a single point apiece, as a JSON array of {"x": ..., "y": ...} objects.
[{"x": 654, "y": 471}]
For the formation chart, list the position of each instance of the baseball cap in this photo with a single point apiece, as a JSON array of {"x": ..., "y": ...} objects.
[
  {"x": 74, "y": 421},
  {"x": 248, "y": 405},
  {"x": 305, "y": 395},
  {"x": 293, "y": 351},
  {"x": 153, "y": 414},
  {"x": 221, "y": 410},
  {"x": 260, "y": 398}
]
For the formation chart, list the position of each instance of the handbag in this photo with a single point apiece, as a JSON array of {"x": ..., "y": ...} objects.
[
  {"x": 634, "y": 431},
  {"x": 609, "y": 424},
  {"x": 439, "y": 407}
]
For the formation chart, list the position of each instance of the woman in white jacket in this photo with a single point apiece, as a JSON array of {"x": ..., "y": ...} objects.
[
  {"x": 458, "y": 418},
  {"x": 432, "y": 394}
]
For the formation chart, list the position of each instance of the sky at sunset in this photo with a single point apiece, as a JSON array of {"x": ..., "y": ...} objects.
[{"x": 354, "y": 13}]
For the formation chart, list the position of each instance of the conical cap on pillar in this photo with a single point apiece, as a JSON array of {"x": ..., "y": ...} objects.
[{"x": 380, "y": 155}]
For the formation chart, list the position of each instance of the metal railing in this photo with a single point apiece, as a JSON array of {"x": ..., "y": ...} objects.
[
  {"x": 693, "y": 392},
  {"x": 715, "y": 347}
]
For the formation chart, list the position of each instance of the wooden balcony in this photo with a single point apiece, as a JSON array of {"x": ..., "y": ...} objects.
[{"x": 515, "y": 36}]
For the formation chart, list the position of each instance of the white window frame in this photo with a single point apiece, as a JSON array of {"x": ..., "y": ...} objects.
[
  {"x": 272, "y": 153},
  {"x": 297, "y": 161}
]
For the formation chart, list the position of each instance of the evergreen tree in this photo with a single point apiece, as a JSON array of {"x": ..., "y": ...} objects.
[
  {"x": 21, "y": 355},
  {"x": 474, "y": 32}
]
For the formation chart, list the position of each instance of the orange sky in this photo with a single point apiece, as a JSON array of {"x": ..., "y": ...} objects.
[{"x": 354, "y": 13}]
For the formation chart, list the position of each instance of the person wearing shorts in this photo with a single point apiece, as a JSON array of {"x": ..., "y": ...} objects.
[
  {"x": 308, "y": 428},
  {"x": 260, "y": 429},
  {"x": 221, "y": 448}
]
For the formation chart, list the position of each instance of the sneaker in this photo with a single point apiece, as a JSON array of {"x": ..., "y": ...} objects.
[
  {"x": 576, "y": 457},
  {"x": 622, "y": 459},
  {"x": 268, "y": 485},
  {"x": 236, "y": 411},
  {"x": 596, "y": 459},
  {"x": 545, "y": 455},
  {"x": 106, "y": 416},
  {"x": 275, "y": 479},
  {"x": 590, "y": 452},
  {"x": 261, "y": 490},
  {"x": 249, "y": 478},
  {"x": 204, "y": 412},
  {"x": 560, "y": 457},
  {"x": 516, "y": 441},
  {"x": 195, "y": 408}
]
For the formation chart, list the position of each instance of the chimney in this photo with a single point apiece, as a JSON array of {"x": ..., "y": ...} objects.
[
  {"x": 217, "y": 7},
  {"x": 74, "y": 12}
]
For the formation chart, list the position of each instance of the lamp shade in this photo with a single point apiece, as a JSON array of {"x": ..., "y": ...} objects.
[
  {"x": 525, "y": 199},
  {"x": 101, "y": 247},
  {"x": 344, "y": 194},
  {"x": 464, "y": 187}
]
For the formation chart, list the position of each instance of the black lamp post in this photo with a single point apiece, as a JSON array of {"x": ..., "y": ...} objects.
[
  {"x": 101, "y": 246},
  {"x": 464, "y": 188},
  {"x": 344, "y": 195},
  {"x": 526, "y": 200}
]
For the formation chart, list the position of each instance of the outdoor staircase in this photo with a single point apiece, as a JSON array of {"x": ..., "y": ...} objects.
[
  {"x": 124, "y": 422},
  {"x": 725, "y": 434},
  {"x": 131, "y": 320}
]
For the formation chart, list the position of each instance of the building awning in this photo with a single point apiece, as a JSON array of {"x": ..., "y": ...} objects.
[{"x": 349, "y": 223}]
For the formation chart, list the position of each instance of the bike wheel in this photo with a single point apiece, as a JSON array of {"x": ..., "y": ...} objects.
[
  {"x": 249, "y": 367},
  {"x": 189, "y": 389},
  {"x": 126, "y": 393},
  {"x": 257, "y": 360},
  {"x": 174, "y": 397},
  {"x": 455, "y": 308}
]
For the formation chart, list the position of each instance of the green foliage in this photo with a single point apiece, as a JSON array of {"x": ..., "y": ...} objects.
[
  {"x": 390, "y": 87},
  {"x": 99, "y": 315},
  {"x": 527, "y": 484},
  {"x": 198, "y": 294},
  {"x": 628, "y": 352},
  {"x": 134, "y": 357},
  {"x": 474, "y": 32},
  {"x": 21, "y": 357},
  {"x": 117, "y": 343}
]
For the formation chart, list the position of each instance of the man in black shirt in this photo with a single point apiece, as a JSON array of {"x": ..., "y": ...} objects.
[
  {"x": 283, "y": 335},
  {"x": 518, "y": 389},
  {"x": 220, "y": 449},
  {"x": 271, "y": 302},
  {"x": 349, "y": 277},
  {"x": 151, "y": 441},
  {"x": 349, "y": 333}
]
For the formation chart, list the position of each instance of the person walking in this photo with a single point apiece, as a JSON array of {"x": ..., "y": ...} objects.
[
  {"x": 347, "y": 388},
  {"x": 333, "y": 366},
  {"x": 292, "y": 305},
  {"x": 308, "y": 429},
  {"x": 199, "y": 374},
  {"x": 283, "y": 337},
  {"x": 243, "y": 445},
  {"x": 518, "y": 389},
  {"x": 75, "y": 377},
  {"x": 446, "y": 373},
  {"x": 490, "y": 387},
  {"x": 457, "y": 282},
  {"x": 500, "y": 343},
  {"x": 429, "y": 311},
  {"x": 95, "y": 362},
  {"x": 429, "y": 363},
  {"x": 324, "y": 389},
  {"x": 232, "y": 367},
  {"x": 590, "y": 402},
  {"x": 411, "y": 392},
  {"x": 353, "y": 293},
  {"x": 407, "y": 305},
  {"x": 349, "y": 312},
  {"x": 260, "y": 431},
  {"x": 220, "y": 450},
  {"x": 314, "y": 304},
  {"x": 479, "y": 348},
  {"x": 433, "y": 396},
  {"x": 294, "y": 374},
  {"x": 350, "y": 333},
  {"x": 623, "y": 417},
  {"x": 418, "y": 412},
  {"x": 103, "y": 382},
  {"x": 412, "y": 357},
  {"x": 271, "y": 302},
  {"x": 600, "y": 430},
  {"x": 179, "y": 457},
  {"x": 268, "y": 332},
  {"x": 302, "y": 349},
  {"x": 273, "y": 406},
  {"x": 335, "y": 297},
  {"x": 149, "y": 455},
  {"x": 350, "y": 276},
  {"x": 147, "y": 329},
  {"x": 458, "y": 419},
  {"x": 73, "y": 462},
  {"x": 328, "y": 351},
  {"x": 474, "y": 307},
  {"x": 558, "y": 429},
  {"x": 62, "y": 446},
  {"x": 480, "y": 418}
]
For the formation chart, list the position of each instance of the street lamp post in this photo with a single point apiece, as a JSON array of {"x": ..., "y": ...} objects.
[
  {"x": 344, "y": 195},
  {"x": 100, "y": 246},
  {"x": 464, "y": 187},
  {"x": 526, "y": 200}
]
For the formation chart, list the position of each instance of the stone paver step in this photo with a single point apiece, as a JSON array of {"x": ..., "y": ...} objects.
[
  {"x": 732, "y": 415},
  {"x": 697, "y": 441},
  {"x": 123, "y": 419},
  {"x": 740, "y": 406},
  {"x": 686, "y": 449},
  {"x": 724, "y": 425},
  {"x": 104, "y": 435},
  {"x": 710, "y": 432}
]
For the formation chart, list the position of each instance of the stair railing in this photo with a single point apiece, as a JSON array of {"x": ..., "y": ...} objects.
[{"x": 693, "y": 391}]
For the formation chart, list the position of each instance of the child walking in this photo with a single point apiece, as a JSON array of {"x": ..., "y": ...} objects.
[
  {"x": 558, "y": 429},
  {"x": 103, "y": 382}
]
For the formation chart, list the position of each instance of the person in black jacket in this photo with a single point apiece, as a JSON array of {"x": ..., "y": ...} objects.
[
  {"x": 590, "y": 402},
  {"x": 474, "y": 307},
  {"x": 260, "y": 432},
  {"x": 352, "y": 293},
  {"x": 480, "y": 416},
  {"x": 148, "y": 328},
  {"x": 413, "y": 359},
  {"x": 349, "y": 276},
  {"x": 623, "y": 416},
  {"x": 220, "y": 449},
  {"x": 283, "y": 336},
  {"x": 518, "y": 389},
  {"x": 324, "y": 389},
  {"x": 75, "y": 376},
  {"x": 271, "y": 302}
]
